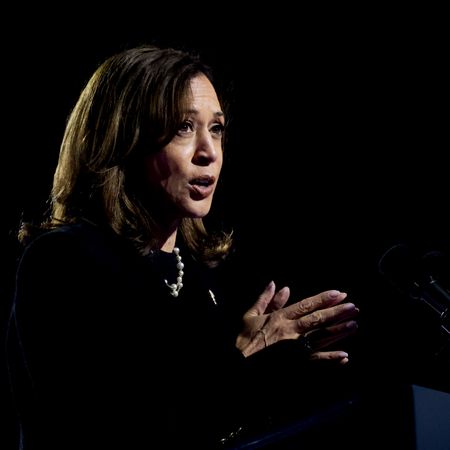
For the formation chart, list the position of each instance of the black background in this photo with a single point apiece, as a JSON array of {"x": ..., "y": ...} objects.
[{"x": 338, "y": 142}]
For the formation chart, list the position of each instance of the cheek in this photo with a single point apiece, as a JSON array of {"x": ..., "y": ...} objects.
[
  {"x": 174, "y": 183},
  {"x": 156, "y": 170},
  {"x": 219, "y": 160}
]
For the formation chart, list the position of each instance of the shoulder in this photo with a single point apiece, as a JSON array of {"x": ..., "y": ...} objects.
[
  {"x": 81, "y": 231},
  {"x": 74, "y": 243},
  {"x": 57, "y": 241}
]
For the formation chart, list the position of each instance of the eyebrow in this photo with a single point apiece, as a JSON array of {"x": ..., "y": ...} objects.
[{"x": 195, "y": 111}]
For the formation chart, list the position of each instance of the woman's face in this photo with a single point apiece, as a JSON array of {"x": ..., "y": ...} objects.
[{"x": 187, "y": 169}]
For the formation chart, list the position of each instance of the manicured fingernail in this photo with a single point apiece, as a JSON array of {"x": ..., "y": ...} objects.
[
  {"x": 333, "y": 294},
  {"x": 270, "y": 285},
  {"x": 343, "y": 355},
  {"x": 348, "y": 306}
]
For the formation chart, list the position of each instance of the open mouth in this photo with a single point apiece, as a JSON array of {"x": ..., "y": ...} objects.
[
  {"x": 202, "y": 186},
  {"x": 203, "y": 181}
]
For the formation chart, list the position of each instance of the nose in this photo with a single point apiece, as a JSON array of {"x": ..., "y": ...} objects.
[{"x": 206, "y": 148}]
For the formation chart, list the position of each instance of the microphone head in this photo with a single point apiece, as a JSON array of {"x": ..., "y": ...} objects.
[
  {"x": 416, "y": 276},
  {"x": 401, "y": 267},
  {"x": 437, "y": 264}
]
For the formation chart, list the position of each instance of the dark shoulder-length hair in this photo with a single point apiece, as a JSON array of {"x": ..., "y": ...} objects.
[{"x": 133, "y": 104}]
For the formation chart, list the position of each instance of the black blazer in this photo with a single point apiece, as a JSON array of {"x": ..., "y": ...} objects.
[{"x": 102, "y": 355}]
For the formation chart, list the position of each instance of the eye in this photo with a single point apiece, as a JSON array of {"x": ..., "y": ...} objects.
[
  {"x": 217, "y": 129},
  {"x": 185, "y": 127}
]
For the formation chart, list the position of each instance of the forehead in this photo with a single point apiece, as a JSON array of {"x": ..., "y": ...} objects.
[{"x": 202, "y": 92}]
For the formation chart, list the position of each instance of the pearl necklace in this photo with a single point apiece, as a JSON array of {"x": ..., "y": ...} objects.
[{"x": 175, "y": 288}]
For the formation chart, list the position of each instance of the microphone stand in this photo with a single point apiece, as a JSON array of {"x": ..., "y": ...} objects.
[{"x": 437, "y": 299}]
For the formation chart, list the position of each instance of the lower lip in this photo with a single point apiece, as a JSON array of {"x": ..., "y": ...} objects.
[{"x": 201, "y": 192}]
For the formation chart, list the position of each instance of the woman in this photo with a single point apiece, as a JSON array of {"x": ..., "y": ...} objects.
[{"x": 120, "y": 333}]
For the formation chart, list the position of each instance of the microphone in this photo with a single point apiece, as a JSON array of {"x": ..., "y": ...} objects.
[{"x": 418, "y": 278}]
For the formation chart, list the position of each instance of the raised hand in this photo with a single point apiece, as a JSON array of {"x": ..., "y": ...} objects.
[{"x": 317, "y": 322}]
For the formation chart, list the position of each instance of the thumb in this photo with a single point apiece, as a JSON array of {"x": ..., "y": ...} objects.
[{"x": 264, "y": 299}]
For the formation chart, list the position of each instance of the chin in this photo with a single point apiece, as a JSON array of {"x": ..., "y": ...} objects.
[
  {"x": 197, "y": 211},
  {"x": 197, "y": 214}
]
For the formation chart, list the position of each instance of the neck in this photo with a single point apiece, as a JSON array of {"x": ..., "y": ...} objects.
[
  {"x": 165, "y": 239},
  {"x": 169, "y": 244}
]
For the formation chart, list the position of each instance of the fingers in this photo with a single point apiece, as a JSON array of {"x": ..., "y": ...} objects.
[
  {"x": 279, "y": 300},
  {"x": 323, "y": 318},
  {"x": 324, "y": 337},
  {"x": 334, "y": 314},
  {"x": 269, "y": 301},
  {"x": 328, "y": 315},
  {"x": 316, "y": 302},
  {"x": 263, "y": 300},
  {"x": 343, "y": 329},
  {"x": 336, "y": 356}
]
